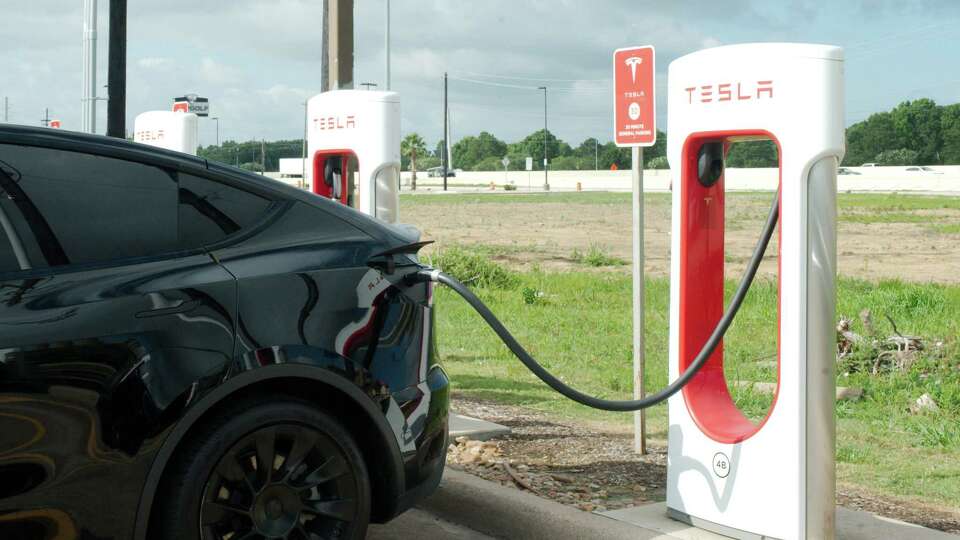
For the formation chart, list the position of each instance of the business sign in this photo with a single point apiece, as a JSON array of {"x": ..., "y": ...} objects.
[
  {"x": 55, "y": 124},
  {"x": 529, "y": 163},
  {"x": 191, "y": 103},
  {"x": 634, "y": 98}
]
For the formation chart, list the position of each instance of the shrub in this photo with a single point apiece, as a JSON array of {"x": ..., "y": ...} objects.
[
  {"x": 596, "y": 256},
  {"x": 473, "y": 268},
  {"x": 659, "y": 162}
]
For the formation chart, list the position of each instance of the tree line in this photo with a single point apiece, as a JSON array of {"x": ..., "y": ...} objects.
[{"x": 916, "y": 132}]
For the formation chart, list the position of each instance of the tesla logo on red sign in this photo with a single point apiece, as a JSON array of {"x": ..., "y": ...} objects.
[
  {"x": 634, "y": 100},
  {"x": 741, "y": 91},
  {"x": 181, "y": 106},
  {"x": 335, "y": 122}
]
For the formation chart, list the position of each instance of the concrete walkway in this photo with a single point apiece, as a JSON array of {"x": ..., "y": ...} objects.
[
  {"x": 851, "y": 525},
  {"x": 487, "y": 508}
]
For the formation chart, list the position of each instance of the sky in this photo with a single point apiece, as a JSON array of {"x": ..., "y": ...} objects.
[{"x": 257, "y": 61}]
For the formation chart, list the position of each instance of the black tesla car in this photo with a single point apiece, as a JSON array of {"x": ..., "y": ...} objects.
[{"x": 190, "y": 351}]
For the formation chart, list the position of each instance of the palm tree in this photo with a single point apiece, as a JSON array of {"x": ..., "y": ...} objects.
[{"x": 413, "y": 146}]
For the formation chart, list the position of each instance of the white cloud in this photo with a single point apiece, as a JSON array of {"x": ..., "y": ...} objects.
[{"x": 154, "y": 62}]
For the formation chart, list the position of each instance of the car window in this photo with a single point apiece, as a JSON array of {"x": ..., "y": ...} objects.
[
  {"x": 209, "y": 211},
  {"x": 74, "y": 208}
]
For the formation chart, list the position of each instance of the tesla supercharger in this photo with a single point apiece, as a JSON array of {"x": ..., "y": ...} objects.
[
  {"x": 774, "y": 478},
  {"x": 356, "y": 131},
  {"x": 172, "y": 130}
]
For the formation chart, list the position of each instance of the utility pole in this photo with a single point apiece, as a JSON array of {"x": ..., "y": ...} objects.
[
  {"x": 263, "y": 156},
  {"x": 6, "y": 110},
  {"x": 216, "y": 119},
  {"x": 596, "y": 155},
  {"x": 117, "y": 71},
  {"x": 546, "y": 138},
  {"x": 338, "y": 45},
  {"x": 446, "y": 133},
  {"x": 387, "y": 45},
  {"x": 88, "y": 105},
  {"x": 45, "y": 121}
]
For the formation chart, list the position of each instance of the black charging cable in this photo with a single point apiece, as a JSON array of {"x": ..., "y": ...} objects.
[{"x": 615, "y": 405}]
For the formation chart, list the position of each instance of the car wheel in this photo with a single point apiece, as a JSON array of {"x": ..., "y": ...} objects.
[{"x": 276, "y": 468}]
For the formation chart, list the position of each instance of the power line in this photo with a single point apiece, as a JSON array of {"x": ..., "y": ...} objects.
[
  {"x": 490, "y": 76},
  {"x": 572, "y": 89}
]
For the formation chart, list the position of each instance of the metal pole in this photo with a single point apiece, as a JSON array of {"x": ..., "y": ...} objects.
[
  {"x": 117, "y": 70},
  {"x": 46, "y": 118},
  {"x": 216, "y": 119},
  {"x": 639, "y": 417},
  {"x": 88, "y": 115},
  {"x": 6, "y": 109},
  {"x": 546, "y": 138},
  {"x": 387, "y": 45},
  {"x": 303, "y": 172},
  {"x": 446, "y": 133},
  {"x": 596, "y": 155}
]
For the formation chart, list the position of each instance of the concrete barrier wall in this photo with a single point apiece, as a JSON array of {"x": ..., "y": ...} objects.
[
  {"x": 944, "y": 179},
  {"x": 862, "y": 179}
]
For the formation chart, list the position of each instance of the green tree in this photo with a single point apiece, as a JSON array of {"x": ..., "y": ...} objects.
[
  {"x": 950, "y": 134},
  {"x": 753, "y": 154},
  {"x": 916, "y": 125},
  {"x": 868, "y": 138},
  {"x": 900, "y": 156},
  {"x": 470, "y": 150},
  {"x": 411, "y": 147},
  {"x": 533, "y": 146}
]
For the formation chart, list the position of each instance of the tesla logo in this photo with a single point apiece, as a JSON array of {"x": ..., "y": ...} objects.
[
  {"x": 633, "y": 62},
  {"x": 181, "y": 106},
  {"x": 335, "y": 122},
  {"x": 741, "y": 91}
]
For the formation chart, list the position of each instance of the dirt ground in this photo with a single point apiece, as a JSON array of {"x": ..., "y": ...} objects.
[
  {"x": 593, "y": 467},
  {"x": 546, "y": 234}
]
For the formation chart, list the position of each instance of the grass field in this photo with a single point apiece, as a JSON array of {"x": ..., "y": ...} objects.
[{"x": 576, "y": 318}]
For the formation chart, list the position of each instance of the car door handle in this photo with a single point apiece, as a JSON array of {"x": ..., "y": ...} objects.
[{"x": 181, "y": 307}]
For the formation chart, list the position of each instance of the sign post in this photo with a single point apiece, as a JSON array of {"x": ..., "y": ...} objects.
[{"x": 634, "y": 125}]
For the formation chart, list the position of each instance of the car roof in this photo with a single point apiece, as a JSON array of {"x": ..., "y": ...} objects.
[
  {"x": 124, "y": 149},
  {"x": 73, "y": 140}
]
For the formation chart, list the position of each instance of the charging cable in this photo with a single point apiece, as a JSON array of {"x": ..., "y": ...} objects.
[{"x": 614, "y": 405}]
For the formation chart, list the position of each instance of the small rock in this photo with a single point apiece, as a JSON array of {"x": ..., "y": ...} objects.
[
  {"x": 924, "y": 403},
  {"x": 563, "y": 479}
]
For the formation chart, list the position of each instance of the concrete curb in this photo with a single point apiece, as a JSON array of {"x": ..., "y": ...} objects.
[{"x": 502, "y": 512}]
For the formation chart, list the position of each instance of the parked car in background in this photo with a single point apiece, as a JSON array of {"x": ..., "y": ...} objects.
[
  {"x": 191, "y": 351},
  {"x": 435, "y": 172},
  {"x": 846, "y": 170},
  {"x": 869, "y": 165},
  {"x": 927, "y": 170}
]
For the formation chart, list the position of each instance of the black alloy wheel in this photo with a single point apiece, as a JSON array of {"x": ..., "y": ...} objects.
[{"x": 296, "y": 475}]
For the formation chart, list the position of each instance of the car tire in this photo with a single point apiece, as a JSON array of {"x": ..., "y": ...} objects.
[{"x": 316, "y": 487}]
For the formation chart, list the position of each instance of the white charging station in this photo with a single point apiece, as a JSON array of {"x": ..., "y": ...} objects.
[
  {"x": 172, "y": 130},
  {"x": 773, "y": 479},
  {"x": 356, "y": 131}
]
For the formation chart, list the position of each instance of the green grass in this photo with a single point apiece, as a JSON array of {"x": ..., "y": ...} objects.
[
  {"x": 596, "y": 256},
  {"x": 578, "y": 324}
]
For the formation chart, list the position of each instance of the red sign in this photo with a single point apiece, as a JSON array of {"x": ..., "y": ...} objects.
[
  {"x": 181, "y": 106},
  {"x": 634, "y": 99},
  {"x": 55, "y": 124}
]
